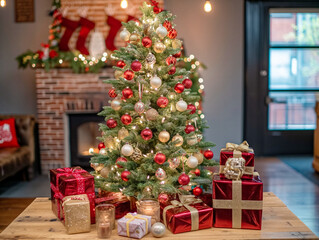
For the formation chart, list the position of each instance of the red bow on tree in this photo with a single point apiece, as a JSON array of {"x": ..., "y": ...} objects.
[{"x": 156, "y": 9}]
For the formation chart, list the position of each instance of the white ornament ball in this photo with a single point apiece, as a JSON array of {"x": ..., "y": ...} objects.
[
  {"x": 192, "y": 162},
  {"x": 116, "y": 104},
  {"x": 158, "y": 229},
  {"x": 155, "y": 82},
  {"x": 102, "y": 151},
  {"x": 192, "y": 141},
  {"x": 105, "y": 172},
  {"x": 161, "y": 31},
  {"x": 160, "y": 174},
  {"x": 127, "y": 150},
  {"x": 125, "y": 35},
  {"x": 200, "y": 157},
  {"x": 181, "y": 105}
]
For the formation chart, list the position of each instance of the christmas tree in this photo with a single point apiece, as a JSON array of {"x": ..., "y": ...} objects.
[{"x": 152, "y": 139}]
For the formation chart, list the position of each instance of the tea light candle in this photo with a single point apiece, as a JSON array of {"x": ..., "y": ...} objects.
[{"x": 150, "y": 208}]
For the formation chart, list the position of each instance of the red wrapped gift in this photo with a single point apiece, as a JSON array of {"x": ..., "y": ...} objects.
[
  {"x": 71, "y": 181},
  {"x": 237, "y": 204},
  {"x": 243, "y": 154},
  {"x": 121, "y": 202},
  {"x": 207, "y": 198},
  {"x": 187, "y": 214}
]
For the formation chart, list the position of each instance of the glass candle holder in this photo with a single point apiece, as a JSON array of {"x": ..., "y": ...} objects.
[
  {"x": 149, "y": 207},
  {"x": 105, "y": 220}
]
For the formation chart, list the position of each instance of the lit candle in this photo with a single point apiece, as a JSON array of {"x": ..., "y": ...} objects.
[
  {"x": 103, "y": 230},
  {"x": 105, "y": 220},
  {"x": 150, "y": 208}
]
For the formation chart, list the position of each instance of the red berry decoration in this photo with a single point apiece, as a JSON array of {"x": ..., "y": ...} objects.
[
  {"x": 208, "y": 154},
  {"x": 167, "y": 25},
  {"x": 197, "y": 191},
  {"x": 189, "y": 128},
  {"x": 183, "y": 179},
  {"x": 120, "y": 64},
  {"x": 119, "y": 160},
  {"x": 172, "y": 34},
  {"x": 162, "y": 102},
  {"x": 170, "y": 60},
  {"x": 129, "y": 75},
  {"x": 192, "y": 108},
  {"x": 172, "y": 70},
  {"x": 147, "y": 134},
  {"x": 124, "y": 175},
  {"x": 100, "y": 146},
  {"x": 111, "y": 123},
  {"x": 126, "y": 119},
  {"x": 112, "y": 93},
  {"x": 127, "y": 93},
  {"x": 147, "y": 42},
  {"x": 177, "y": 55},
  {"x": 160, "y": 158},
  {"x": 187, "y": 83},
  {"x": 197, "y": 172},
  {"x": 179, "y": 88},
  {"x": 136, "y": 66}
]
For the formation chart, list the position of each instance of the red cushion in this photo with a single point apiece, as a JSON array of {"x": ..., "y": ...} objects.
[{"x": 8, "y": 136}]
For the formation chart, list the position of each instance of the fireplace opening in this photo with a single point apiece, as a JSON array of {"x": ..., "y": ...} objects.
[{"x": 84, "y": 130}]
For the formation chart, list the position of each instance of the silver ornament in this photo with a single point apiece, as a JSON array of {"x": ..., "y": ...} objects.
[
  {"x": 174, "y": 162},
  {"x": 139, "y": 107},
  {"x": 160, "y": 174},
  {"x": 127, "y": 150},
  {"x": 150, "y": 58},
  {"x": 125, "y": 35},
  {"x": 181, "y": 105},
  {"x": 155, "y": 82},
  {"x": 161, "y": 31},
  {"x": 192, "y": 162},
  {"x": 116, "y": 104},
  {"x": 158, "y": 229}
]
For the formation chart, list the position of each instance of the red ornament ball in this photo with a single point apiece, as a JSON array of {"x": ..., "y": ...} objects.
[
  {"x": 111, "y": 123},
  {"x": 157, "y": 10},
  {"x": 170, "y": 60},
  {"x": 167, "y": 25},
  {"x": 163, "y": 198},
  {"x": 189, "y": 128},
  {"x": 119, "y": 160},
  {"x": 112, "y": 93},
  {"x": 136, "y": 66},
  {"x": 162, "y": 102},
  {"x": 172, "y": 34},
  {"x": 197, "y": 191},
  {"x": 127, "y": 93},
  {"x": 183, "y": 179},
  {"x": 100, "y": 146},
  {"x": 160, "y": 158},
  {"x": 147, "y": 134},
  {"x": 129, "y": 75},
  {"x": 192, "y": 108},
  {"x": 126, "y": 119},
  {"x": 177, "y": 55},
  {"x": 120, "y": 64},
  {"x": 187, "y": 83},
  {"x": 197, "y": 172},
  {"x": 172, "y": 70},
  {"x": 125, "y": 175},
  {"x": 147, "y": 42},
  {"x": 208, "y": 154},
  {"x": 179, "y": 88}
]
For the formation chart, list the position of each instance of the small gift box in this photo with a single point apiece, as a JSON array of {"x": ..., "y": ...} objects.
[
  {"x": 71, "y": 181},
  {"x": 237, "y": 158},
  {"x": 187, "y": 214},
  {"x": 76, "y": 212},
  {"x": 121, "y": 203},
  {"x": 134, "y": 225},
  {"x": 207, "y": 198},
  {"x": 237, "y": 204}
]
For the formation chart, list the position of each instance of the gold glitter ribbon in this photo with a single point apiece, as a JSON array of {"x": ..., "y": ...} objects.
[{"x": 132, "y": 218}]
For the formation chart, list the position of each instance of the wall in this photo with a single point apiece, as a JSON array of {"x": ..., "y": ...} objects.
[
  {"x": 216, "y": 39},
  {"x": 17, "y": 87}
]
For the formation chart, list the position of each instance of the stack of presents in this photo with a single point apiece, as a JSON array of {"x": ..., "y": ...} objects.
[{"x": 236, "y": 200}]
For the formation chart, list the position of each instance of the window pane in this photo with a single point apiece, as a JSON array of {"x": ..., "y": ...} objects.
[
  {"x": 294, "y": 28},
  {"x": 292, "y": 111},
  {"x": 293, "y": 68}
]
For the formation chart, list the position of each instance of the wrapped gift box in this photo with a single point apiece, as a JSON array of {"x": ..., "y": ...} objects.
[
  {"x": 76, "y": 213},
  {"x": 238, "y": 151},
  {"x": 71, "y": 181},
  {"x": 237, "y": 204},
  {"x": 134, "y": 225},
  {"x": 207, "y": 198},
  {"x": 187, "y": 214}
]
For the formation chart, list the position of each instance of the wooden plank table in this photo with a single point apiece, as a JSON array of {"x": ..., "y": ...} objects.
[{"x": 38, "y": 222}]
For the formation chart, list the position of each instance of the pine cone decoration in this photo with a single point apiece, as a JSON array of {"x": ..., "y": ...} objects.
[{"x": 137, "y": 155}]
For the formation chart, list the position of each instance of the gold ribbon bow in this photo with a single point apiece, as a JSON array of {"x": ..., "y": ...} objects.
[
  {"x": 132, "y": 218},
  {"x": 185, "y": 200},
  {"x": 238, "y": 149}
]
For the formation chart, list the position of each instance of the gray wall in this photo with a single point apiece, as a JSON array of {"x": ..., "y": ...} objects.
[
  {"x": 216, "y": 39},
  {"x": 17, "y": 87}
]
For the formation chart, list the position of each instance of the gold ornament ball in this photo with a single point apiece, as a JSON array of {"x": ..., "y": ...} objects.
[
  {"x": 105, "y": 172},
  {"x": 116, "y": 104},
  {"x": 179, "y": 138},
  {"x": 192, "y": 141},
  {"x": 200, "y": 157},
  {"x": 123, "y": 133},
  {"x": 125, "y": 35},
  {"x": 109, "y": 142},
  {"x": 151, "y": 114},
  {"x": 97, "y": 166},
  {"x": 159, "y": 47},
  {"x": 118, "y": 74},
  {"x": 167, "y": 42},
  {"x": 176, "y": 43},
  {"x": 164, "y": 136},
  {"x": 135, "y": 38},
  {"x": 181, "y": 105}
]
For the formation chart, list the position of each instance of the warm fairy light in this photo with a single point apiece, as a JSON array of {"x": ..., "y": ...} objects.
[
  {"x": 75, "y": 59},
  {"x": 124, "y": 4},
  {"x": 60, "y": 61},
  {"x": 80, "y": 56},
  {"x": 202, "y": 116},
  {"x": 103, "y": 59},
  {"x": 199, "y": 111},
  {"x": 196, "y": 104},
  {"x": 162, "y": 182},
  {"x": 93, "y": 58},
  {"x": 197, "y": 63},
  {"x": 104, "y": 54},
  {"x": 201, "y": 87},
  {"x": 193, "y": 66},
  {"x": 85, "y": 62},
  {"x": 191, "y": 56},
  {"x": 134, "y": 127},
  {"x": 3, "y": 3},
  {"x": 90, "y": 63},
  {"x": 33, "y": 65},
  {"x": 200, "y": 90},
  {"x": 200, "y": 80},
  {"x": 207, "y": 6},
  {"x": 91, "y": 150}
]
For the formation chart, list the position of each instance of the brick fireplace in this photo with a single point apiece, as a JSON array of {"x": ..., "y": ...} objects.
[{"x": 61, "y": 92}]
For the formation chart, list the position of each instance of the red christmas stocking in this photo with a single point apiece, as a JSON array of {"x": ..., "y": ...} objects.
[
  {"x": 86, "y": 27},
  {"x": 70, "y": 28}
]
